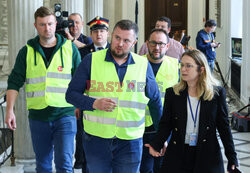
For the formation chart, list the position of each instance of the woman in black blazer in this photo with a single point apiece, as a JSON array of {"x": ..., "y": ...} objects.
[{"x": 193, "y": 110}]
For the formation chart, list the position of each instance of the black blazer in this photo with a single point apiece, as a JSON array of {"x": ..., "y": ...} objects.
[
  {"x": 213, "y": 115},
  {"x": 88, "y": 49}
]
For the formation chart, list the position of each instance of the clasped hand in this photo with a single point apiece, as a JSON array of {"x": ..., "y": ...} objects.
[{"x": 104, "y": 104}]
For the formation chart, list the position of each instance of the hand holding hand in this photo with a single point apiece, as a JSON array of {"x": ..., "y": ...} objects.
[{"x": 152, "y": 151}]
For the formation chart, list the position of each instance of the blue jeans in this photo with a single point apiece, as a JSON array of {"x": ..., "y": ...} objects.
[
  {"x": 57, "y": 136},
  {"x": 112, "y": 155},
  {"x": 211, "y": 66}
]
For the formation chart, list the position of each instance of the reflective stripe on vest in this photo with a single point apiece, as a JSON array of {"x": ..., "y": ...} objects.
[
  {"x": 167, "y": 76},
  {"x": 127, "y": 120},
  {"x": 112, "y": 121},
  {"x": 47, "y": 86}
]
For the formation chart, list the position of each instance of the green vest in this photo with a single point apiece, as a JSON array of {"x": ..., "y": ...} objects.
[
  {"x": 47, "y": 86},
  {"x": 167, "y": 76},
  {"x": 127, "y": 121}
]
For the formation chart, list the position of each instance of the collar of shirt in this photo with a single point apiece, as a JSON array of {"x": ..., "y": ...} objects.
[
  {"x": 104, "y": 46},
  {"x": 110, "y": 58}
]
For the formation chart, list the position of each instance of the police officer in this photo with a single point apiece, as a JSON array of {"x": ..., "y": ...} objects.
[{"x": 99, "y": 33}]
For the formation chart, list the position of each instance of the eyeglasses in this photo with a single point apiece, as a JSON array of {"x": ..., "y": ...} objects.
[
  {"x": 153, "y": 44},
  {"x": 188, "y": 66}
]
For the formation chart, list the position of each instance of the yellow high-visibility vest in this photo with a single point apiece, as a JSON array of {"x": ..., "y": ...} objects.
[
  {"x": 47, "y": 86},
  {"x": 167, "y": 76},
  {"x": 127, "y": 121}
]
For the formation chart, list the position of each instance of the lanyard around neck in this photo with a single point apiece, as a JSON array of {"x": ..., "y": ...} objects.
[{"x": 196, "y": 112}]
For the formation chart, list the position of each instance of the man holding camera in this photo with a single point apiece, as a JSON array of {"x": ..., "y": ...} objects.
[
  {"x": 46, "y": 65},
  {"x": 75, "y": 34}
]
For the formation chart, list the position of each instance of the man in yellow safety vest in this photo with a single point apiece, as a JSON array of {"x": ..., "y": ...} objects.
[{"x": 113, "y": 86}]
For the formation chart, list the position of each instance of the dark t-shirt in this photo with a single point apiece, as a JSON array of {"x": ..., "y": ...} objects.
[
  {"x": 155, "y": 67},
  {"x": 48, "y": 51}
]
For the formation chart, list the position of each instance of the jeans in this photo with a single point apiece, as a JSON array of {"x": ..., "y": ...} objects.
[
  {"x": 112, "y": 155},
  {"x": 57, "y": 136},
  {"x": 211, "y": 66}
]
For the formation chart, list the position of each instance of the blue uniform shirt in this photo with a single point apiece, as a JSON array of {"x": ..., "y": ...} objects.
[
  {"x": 203, "y": 43},
  {"x": 84, "y": 39},
  {"x": 78, "y": 84}
]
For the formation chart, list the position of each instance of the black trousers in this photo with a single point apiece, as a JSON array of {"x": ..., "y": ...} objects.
[
  {"x": 189, "y": 158},
  {"x": 79, "y": 153}
]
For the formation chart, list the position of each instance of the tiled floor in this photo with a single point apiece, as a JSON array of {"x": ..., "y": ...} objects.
[{"x": 242, "y": 147}]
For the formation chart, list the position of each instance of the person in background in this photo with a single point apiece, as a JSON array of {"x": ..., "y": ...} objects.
[
  {"x": 116, "y": 95},
  {"x": 75, "y": 32},
  {"x": 166, "y": 71},
  {"x": 175, "y": 49},
  {"x": 46, "y": 65},
  {"x": 205, "y": 42},
  {"x": 99, "y": 34},
  {"x": 194, "y": 110}
]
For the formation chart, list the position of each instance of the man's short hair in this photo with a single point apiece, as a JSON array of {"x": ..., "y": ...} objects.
[
  {"x": 165, "y": 19},
  {"x": 75, "y": 14},
  {"x": 43, "y": 12},
  {"x": 210, "y": 23},
  {"x": 127, "y": 25},
  {"x": 159, "y": 30}
]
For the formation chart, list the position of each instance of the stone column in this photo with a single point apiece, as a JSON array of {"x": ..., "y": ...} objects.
[
  {"x": 21, "y": 29},
  {"x": 245, "y": 70},
  {"x": 94, "y": 8},
  {"x": 4, "y": 61}
]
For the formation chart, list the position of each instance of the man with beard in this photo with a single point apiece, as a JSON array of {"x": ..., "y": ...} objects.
[
  {"x": 75, "y": 34},
  {"x": 175, "y": 48},
  {"x": 113, "y": 87},
  {"x": 166, "y": 71},
  {"x": 46, "y": 65}
]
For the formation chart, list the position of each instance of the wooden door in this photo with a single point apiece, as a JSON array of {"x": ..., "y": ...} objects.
[{"x": 176, "y": 10}]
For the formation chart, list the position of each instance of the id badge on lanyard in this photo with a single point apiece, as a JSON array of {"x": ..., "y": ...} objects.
[{"x": 193, "y": 138}]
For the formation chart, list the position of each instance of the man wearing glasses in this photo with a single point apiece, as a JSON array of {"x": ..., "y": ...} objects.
[
  {"x": 175, "y": 48},
  {"x": 166, "y": 71}
]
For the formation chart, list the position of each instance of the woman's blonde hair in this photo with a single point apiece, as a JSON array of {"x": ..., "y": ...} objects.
[{"x": 206, "y": 81}]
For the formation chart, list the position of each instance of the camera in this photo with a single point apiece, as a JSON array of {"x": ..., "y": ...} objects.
[{"x": 61, "y": 23}]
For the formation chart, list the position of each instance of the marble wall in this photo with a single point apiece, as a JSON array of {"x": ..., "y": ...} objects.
[{"x": 4, "y": 64}]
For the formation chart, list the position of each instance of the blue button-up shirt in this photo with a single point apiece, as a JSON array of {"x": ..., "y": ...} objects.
[{"x": 82, "y": 75}]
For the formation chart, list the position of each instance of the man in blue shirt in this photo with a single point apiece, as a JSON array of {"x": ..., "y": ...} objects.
[
  {"x": 205, "y": 42},
  {"x": 120, "y": 155}
]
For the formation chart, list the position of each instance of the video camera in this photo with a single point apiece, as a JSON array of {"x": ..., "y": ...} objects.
[{"x": 62, "y": 24}]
